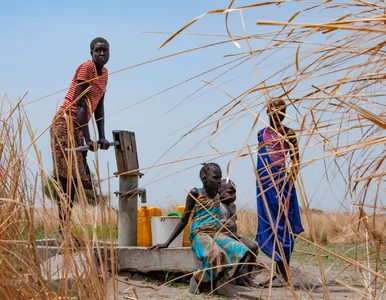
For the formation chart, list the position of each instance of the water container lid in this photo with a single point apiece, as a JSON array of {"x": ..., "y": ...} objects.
[{"x": 174, "y": 214}]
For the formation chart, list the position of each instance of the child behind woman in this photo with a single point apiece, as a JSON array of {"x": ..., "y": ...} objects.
[{"x": 228, "y": 218}]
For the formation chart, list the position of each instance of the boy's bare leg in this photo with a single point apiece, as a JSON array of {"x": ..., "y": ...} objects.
[{"x": 252, "y": 246}]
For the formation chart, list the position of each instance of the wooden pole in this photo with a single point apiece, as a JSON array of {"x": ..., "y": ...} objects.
[{"x": 127, "y": 164}]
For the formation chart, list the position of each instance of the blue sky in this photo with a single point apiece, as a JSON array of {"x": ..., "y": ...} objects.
[{"x": 43, "y": 42}]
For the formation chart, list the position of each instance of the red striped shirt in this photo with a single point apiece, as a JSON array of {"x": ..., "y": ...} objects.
[{"x": 97, "y": 87}]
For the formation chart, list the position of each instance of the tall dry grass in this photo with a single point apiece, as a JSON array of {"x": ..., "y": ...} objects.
[
  {"x": 46, "y": 219},
  {"x": 334, "y": 80},
  {"x": 21, "y": 273},
  {"x": 335, "y": 228}
]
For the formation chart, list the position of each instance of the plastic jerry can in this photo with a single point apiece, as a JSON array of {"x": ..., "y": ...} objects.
[
  {"x": 186, "y": 242},
  {"x": 162, "y": 227},
  {"x": 144, "y": 236}
]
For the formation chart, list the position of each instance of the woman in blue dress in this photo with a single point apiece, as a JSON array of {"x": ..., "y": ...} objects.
[{"x": 277, "y": 203}]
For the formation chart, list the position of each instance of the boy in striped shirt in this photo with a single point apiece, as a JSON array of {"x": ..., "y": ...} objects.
[{"x": 70, "y": 127}]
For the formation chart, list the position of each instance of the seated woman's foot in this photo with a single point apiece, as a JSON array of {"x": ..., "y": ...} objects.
[
  {"x": 277, "y": 282},
  {"x": 250, "y": 282},
  {"x": 256, "y": 270},
  {"x": 193, "y": 286},
  {"x": 241, "y": 281}
]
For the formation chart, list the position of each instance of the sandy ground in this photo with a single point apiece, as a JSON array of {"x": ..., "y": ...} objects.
[{"x": 341, "y": 284}]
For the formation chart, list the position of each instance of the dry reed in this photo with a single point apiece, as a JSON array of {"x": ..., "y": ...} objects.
[
  {"x": 337, "y": 228},
  {"x": 334, "y": 81},
  {"x": 21, "y": 274}
]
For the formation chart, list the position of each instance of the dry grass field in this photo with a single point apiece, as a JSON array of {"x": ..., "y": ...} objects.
[{"x": 330, "y": 228}]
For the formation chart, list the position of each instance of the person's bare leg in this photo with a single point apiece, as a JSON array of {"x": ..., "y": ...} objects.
[
  {"x": 220, "y": 275},
  {"x": 248, "y": 280},
  {"x": 282, "y": 271},
  {"x": 197, "y": 286},
  {"x": 278, "y": 279},
  {"x": 252, "y": 246},
  {"x": 238, "y": 275},
  {"x": 241, "y": 281},
  {"x": 266, "y": 283},
  {"x": 193, "y": 286},
  {"x": 65, "y": 207},
  {"x": 62, "y": 207}
]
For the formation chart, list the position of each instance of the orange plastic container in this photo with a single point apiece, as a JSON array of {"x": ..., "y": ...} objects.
[
  {"x": 144, "y": 225},
  {"x": 181, "y": 209}
]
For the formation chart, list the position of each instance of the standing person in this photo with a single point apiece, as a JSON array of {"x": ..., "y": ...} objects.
[
  {"x": 277, "y": 203},
  {"x": 219, "y": 254},
  {"x": 228, "y": 219},
  {"x": 70, "y": 127}
]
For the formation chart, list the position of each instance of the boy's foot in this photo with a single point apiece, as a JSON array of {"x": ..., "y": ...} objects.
[{"x": 193, "y": 286}]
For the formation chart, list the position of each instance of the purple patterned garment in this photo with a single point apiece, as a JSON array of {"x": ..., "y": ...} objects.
[{"x": 277, "y": 147}]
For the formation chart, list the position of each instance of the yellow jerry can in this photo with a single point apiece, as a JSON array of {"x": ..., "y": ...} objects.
[
  {"x": 144, "y": 225},
  {"x": 186, "y": 243}
]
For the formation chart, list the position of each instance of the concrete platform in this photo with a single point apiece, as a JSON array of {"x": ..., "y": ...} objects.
[
  {"x": 47, "y": 248},
  {"x": 139, "y": 259},
  {"x": 58, "y": 268},
  {"x": 134, "y": 259}
]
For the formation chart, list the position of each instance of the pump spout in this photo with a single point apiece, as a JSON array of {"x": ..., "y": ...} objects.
[{"x": 142, "y": 194}]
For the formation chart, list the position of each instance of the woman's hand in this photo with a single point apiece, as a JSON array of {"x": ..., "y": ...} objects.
[
  {"x": 159, "y": 246},
  {"x": 104, "y": 144},
  {"x": 92, "y": 145}
]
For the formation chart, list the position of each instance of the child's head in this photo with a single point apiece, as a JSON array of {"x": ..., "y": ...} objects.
[
  {"x": 100, "y": 51},
  {"x": 227, "y": 191},
  {"x": 276, "y": 111},
  {"x": 210, "y": 175}
]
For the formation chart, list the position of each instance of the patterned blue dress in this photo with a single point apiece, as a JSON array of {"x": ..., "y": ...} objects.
[{"x": 277, "y": 207}]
